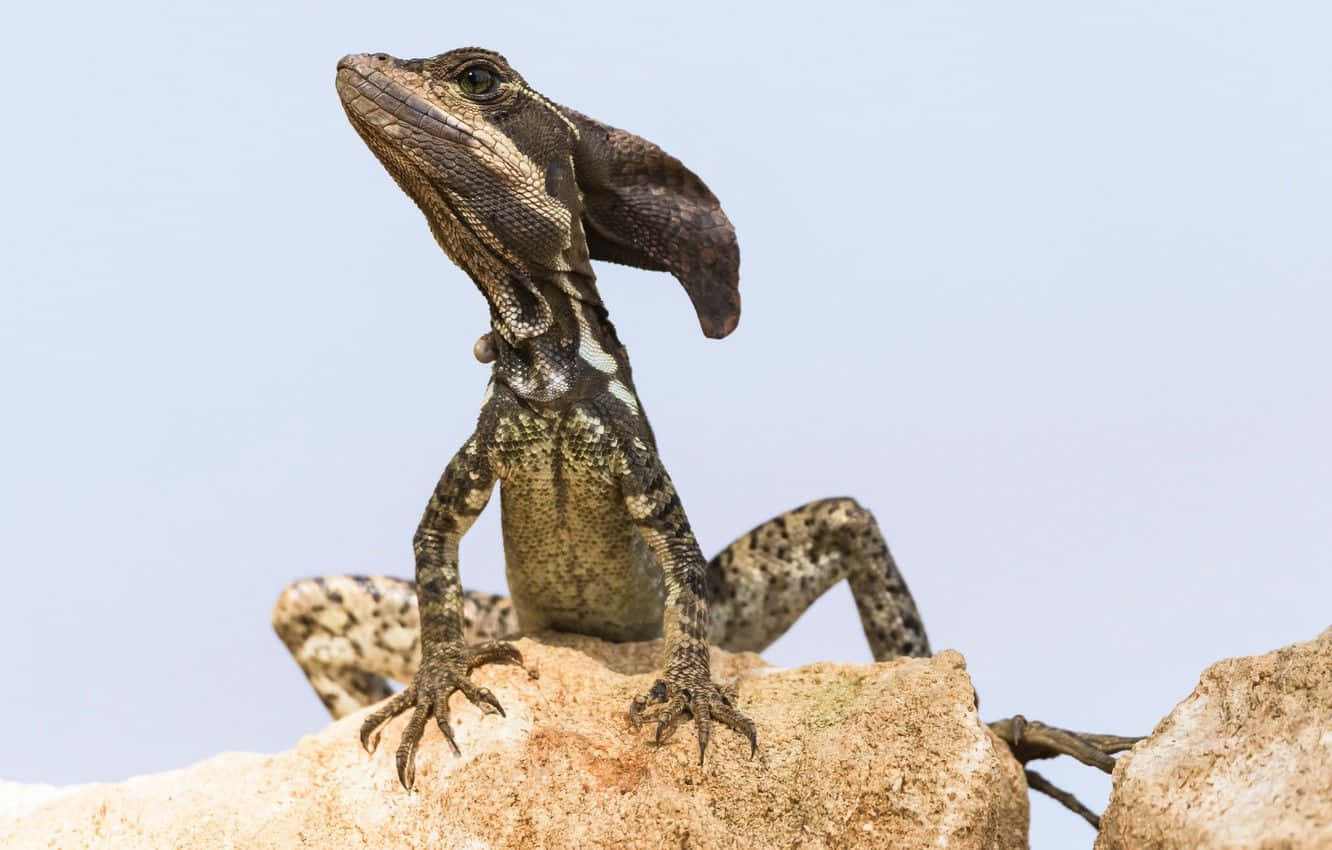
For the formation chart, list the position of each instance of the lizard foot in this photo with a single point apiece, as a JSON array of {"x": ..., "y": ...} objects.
[
  {"x": 440, "y": 675},
  {"x": 1031, "y": 740},
  {"x": 669, "y": 701}
]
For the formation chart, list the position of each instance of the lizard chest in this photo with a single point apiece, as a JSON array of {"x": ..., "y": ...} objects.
[{"x": 574, "y": 560}]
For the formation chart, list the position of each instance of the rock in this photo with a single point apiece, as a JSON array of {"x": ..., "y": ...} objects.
[
  {"x": 1244, "y": 762},
  {"x": 882, "y": 755}
]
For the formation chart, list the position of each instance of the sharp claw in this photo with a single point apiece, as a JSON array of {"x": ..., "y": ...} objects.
[
  {"x": 666, "y": 728},
  {"x": 488, "y": 703},
  {"x": 1017, "y": 727},
  {"x": 407, "y": 765},
  {"x": 636, "y": 707},
  {"x": 374, "y": 723},
  {"x": 411, "y": 736},
  {"x": 369, "y": 737},
  {"x": 443, "y": 724},
  {"x": 703, "y": 720}
]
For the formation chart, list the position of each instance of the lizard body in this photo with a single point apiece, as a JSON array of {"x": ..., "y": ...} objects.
[{"x": 522, "y": 194}]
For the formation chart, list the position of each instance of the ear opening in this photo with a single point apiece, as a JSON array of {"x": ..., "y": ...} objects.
[{"x": 643, "y": 208}]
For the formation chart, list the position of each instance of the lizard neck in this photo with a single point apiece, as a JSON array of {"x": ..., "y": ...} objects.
[{"x": 578, "y": 357}]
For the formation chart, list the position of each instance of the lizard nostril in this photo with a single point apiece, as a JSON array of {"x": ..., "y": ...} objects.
[{"x": 381, "y": 57}]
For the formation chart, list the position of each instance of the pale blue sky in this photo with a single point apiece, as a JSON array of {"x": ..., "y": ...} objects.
[{"x": 1047, "y": 289}]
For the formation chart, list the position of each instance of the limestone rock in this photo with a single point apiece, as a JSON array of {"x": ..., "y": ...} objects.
[
  {"x": 1244, "y": 762},
  {"x": 885, "y": 755}
]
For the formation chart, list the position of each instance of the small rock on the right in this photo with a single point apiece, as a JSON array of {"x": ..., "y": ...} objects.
[{"x": 1244, "y": 762}]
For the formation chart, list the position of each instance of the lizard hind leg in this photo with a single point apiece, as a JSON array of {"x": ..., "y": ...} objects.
[
  {"x": 760, "y": 584},
  {"x": 352, "y": 634}
]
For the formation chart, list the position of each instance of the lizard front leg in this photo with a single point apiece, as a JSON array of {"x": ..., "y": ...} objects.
[
  {"x": 685, "y": 688},
  {"x": 446, "y": 659}
]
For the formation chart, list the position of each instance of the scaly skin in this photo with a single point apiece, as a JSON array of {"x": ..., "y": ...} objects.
[{"x": 522, "y": 194}]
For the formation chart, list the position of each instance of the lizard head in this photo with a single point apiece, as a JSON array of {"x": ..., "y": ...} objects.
[{"x": 520, "y": 192}]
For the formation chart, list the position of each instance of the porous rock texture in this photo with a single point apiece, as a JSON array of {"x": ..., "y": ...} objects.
[
  {"x": 884, "y": 755},
  {"x": 1244, "y": 762}
]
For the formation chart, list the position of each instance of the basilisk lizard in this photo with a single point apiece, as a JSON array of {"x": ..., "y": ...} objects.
[{"x": 522, "y": 194}]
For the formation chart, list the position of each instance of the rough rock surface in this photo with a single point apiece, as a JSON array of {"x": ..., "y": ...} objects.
[
  {"x": 1244, "y": 762},
  {"x": 885, "y": 755}
]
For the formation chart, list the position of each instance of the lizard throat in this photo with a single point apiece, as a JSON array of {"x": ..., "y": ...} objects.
[{"x": 576, "y": 358}]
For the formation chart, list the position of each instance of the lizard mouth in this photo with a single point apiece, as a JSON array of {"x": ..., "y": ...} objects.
[{"x": 375, "y": 100}]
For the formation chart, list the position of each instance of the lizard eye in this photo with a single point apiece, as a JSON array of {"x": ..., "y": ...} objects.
[{"x": 478, "y": 81}]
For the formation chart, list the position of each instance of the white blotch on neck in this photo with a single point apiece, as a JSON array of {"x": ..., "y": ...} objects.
[
  {"x": 589, "y": 349},
  {"x": 624, "y": 394}
]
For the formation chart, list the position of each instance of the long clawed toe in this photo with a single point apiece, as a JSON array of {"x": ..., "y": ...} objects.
[
  {"x": 445, "y": 728},
  {"x": 394, "y": 706},
  {"x": 411, "y": 736},
  {"x": 667, "y": 725},
  {"x": 1032, "y": 740},
  {"x": 733, "y": 719},
  {"x": 669, "y": 706},
  {"x": 1110, "y": 744},
  {"x": 480, "y": 697},
  {"x": 428, "y": 695},
  {"x": 493, "y": 652},
  {"x": 1036, "y": 782},
  {"x": 649, "y": 707}
]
